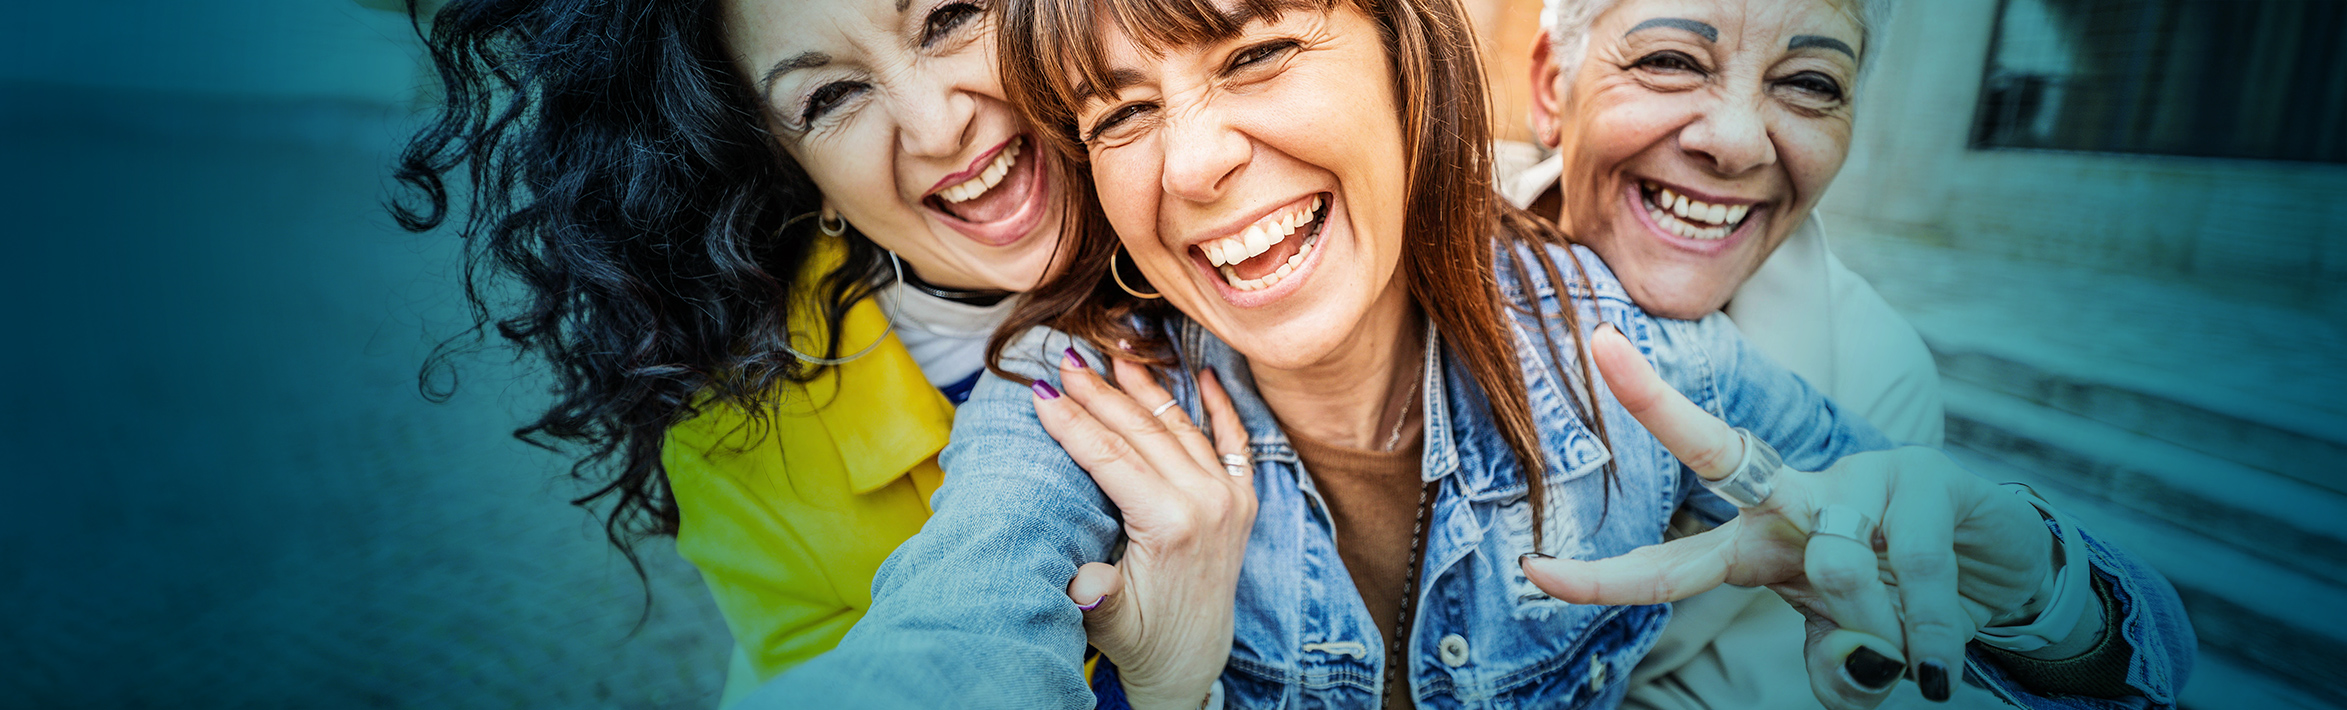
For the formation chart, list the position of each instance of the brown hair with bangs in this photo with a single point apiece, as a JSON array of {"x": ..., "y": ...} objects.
[{"x": 1456, "y": 223}]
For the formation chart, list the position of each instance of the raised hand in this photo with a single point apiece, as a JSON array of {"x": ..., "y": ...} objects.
[
  {"x": 1952, "y": 552},
  {"x": 1163, "y": 612}
]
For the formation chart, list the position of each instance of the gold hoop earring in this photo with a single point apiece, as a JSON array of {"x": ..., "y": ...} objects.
[{"x": 1120, "y": 278}]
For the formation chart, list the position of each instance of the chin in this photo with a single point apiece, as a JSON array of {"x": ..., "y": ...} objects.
[{"x": 1682, "y": 296}]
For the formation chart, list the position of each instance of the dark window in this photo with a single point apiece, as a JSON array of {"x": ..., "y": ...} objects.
[{"x": 2222, "y": 78}]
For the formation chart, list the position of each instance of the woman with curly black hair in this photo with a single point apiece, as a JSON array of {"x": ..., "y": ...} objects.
[{"x": 762, "y": 245}]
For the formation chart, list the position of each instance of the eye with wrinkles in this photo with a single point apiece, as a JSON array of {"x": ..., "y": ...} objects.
[
  {"x": 1116, "y": 117},
  {"x": 828, "y": 97},
  {"x": 947, "y": 18},
  {"x": 1814, "y": 84},
  {"x": 1259, "y": 54},
  {"x": 1668, "y": 61}
]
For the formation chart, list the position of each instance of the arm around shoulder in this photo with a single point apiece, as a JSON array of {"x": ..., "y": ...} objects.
[{"x": 973, "y": 611}]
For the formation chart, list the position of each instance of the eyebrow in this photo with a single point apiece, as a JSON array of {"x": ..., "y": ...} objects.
[
  {"x": 805, "y": 60},
  {"x": 1805, "y": 41},
  {"x": 1118, "y": 79},
  {"x": 1710, "y": 33}
]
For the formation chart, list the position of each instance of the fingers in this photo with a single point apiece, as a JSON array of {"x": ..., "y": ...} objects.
[
  {"x": 1919, "y": 529},
  {"x": 1702, "y": 441},
  {"x": 1230, "y": 436},
  {"x": 1142, "y": 385},
  {"x": 1653, "y": 574},
  {"x": 1150, "y": 437},
  {"x": 1852, "y": 670},
  {"x": 1114, "y": 465},
  {"x": 1847, "y": 580}
]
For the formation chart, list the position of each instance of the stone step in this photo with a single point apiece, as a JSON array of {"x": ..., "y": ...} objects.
[
  {"x": 2283, "y": 520},
  {"x": 2222, "y": 682},
  {"x": 2281, "y": 437},
  {"x": 2262, "y": 622}
]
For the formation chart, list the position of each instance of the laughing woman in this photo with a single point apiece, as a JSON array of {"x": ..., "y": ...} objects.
[
  {"x": 761, "y": 244},
  {"x": 1290, "y": 223}
]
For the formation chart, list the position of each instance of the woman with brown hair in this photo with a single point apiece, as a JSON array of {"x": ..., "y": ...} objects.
[{"x": 1391, "y": 362}]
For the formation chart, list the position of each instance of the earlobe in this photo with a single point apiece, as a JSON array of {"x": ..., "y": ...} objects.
[{"x": 1547, "y": 93}]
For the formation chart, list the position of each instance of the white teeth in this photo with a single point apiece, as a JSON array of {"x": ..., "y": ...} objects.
[
  {"x": 1258, "y": 238},
  {"x": 1693, "y": 219},
  {"x": 986, "y": 180}
]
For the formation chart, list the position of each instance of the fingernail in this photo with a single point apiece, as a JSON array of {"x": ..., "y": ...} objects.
[
  {"x": 1044, "y": 390},
  {"x": 1533, "y": 556},
  {"x": 1870, "y": 670},
  {"x": 1094, "y": 605},
  {"x": 1076, "y": 360},
  {"x": 1931, "y": 677}
]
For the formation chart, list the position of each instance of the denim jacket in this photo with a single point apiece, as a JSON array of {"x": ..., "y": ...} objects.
[{"x": 973, "y": 612}]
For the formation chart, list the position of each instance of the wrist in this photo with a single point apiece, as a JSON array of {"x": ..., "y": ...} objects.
[
  {"x": 1165, "y": 698},
  {"x": 2062, "y": 615}
]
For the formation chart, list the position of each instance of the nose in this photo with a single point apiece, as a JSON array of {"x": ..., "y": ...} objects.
[
  {"x": 934, "y": 117},
  {"x": 1732, "y": 135},
  {"x": 1201, "y": 154}
]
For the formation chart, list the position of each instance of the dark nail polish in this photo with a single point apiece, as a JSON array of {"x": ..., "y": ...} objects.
[
  {"x": 1094, "y": 605},
  {"x": 1533, "y": 556},
  {"x": 1931, "y": 677},
  {"x": 1044, "y": 390},
  {"x": 1076, "y": 360},
  {"x": 1870, "y": 670}
]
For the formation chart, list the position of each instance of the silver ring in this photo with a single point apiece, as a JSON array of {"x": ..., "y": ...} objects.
[
  {"x": 1235, "y": 464},
  {"x": 1755, "y": 476},
  {"x": 1161, "y": 408},
  {"x": 1844, "y": 521}
]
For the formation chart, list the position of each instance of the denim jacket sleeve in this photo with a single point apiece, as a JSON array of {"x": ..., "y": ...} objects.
[
  {"x": 2144, "y": 613},
  {"x": 972, "y": 612}
]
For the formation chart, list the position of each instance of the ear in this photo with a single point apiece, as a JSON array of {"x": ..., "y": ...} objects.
[{"x": 1548, "y": 91}]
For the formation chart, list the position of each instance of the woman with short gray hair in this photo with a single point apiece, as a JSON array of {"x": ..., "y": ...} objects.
[{"x": 1693, "y": 141}]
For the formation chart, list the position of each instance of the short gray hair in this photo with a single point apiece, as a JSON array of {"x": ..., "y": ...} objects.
[{"x": 1567, "y": 22}]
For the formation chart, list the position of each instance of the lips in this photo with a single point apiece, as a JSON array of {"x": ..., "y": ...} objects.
[
  {"x": 998, "y": 200},
  {"x": 1706, "y": 225},
  {"x": 1269, "y": 257}
]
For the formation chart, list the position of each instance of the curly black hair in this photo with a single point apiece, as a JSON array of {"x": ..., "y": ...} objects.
[{"x": 619, "y": 171}]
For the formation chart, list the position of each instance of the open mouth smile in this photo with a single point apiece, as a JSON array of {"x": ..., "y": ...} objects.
[
  {"x": 1263, "y": 254},
  {"x": 1690, "y": 218},
  {"x": 998, "y": 200}
]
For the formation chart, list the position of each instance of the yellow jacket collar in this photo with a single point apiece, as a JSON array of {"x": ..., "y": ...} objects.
[{"x": 878, "y": 410}]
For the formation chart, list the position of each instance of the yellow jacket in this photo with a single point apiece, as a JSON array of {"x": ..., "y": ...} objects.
[{"x": 789, "y": 518}]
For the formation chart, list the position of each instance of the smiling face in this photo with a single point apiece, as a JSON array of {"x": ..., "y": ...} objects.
[
  {"x": 1696, "y": 135},
  {"x": 899, "y": 118},
  {"x": 1259, "y": 181}
]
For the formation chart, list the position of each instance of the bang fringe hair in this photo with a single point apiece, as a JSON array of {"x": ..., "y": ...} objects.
[{"x": 1070, "y": 30}]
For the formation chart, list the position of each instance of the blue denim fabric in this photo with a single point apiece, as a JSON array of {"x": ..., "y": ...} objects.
[{"x": 972, "y": 612}]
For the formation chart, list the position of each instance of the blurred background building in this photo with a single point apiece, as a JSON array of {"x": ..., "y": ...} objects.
[{"x": 2114, "y": 221}]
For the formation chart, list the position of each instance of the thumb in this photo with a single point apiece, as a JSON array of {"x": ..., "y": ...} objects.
[
  {"x": 1094, "y": 590},
  {"x": 1699, "y": 439},
  {"x": 1654, "y": 574}
]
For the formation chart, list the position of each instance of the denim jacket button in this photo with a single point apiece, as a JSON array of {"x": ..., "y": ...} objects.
[
  {"x": 1597, "y": 676},
  {"x": 1453, "y": 650}
]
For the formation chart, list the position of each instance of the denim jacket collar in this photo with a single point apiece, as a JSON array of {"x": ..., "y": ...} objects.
[{"x": 1447, "y": 412}]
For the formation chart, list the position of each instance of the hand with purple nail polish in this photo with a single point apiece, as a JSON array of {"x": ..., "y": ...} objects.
[{"x": 1162, "y": 613}]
